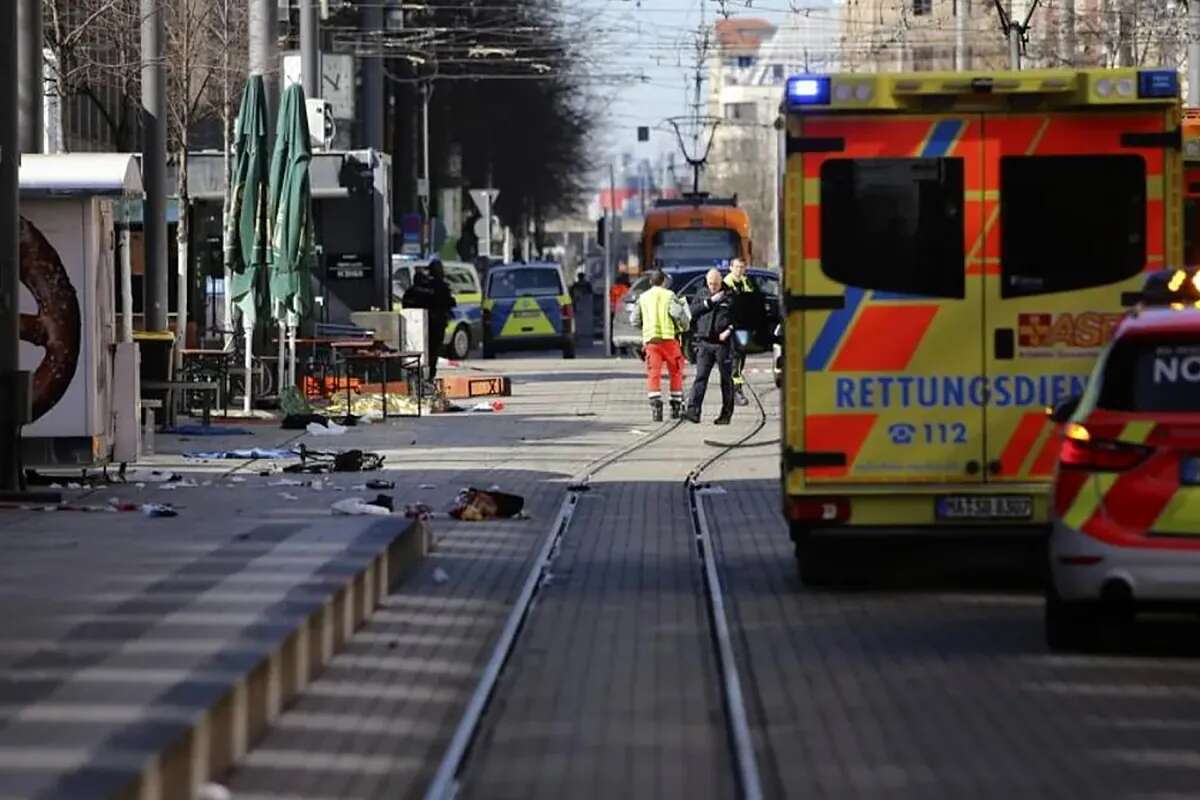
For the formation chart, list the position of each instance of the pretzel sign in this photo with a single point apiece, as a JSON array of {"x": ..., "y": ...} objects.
[{"x": 56, "y": 327}]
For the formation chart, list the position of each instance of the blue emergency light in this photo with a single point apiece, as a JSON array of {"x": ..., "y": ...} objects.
[
  {"x": 1158, "y": 83},
  {"x": 806, "y": 90}
]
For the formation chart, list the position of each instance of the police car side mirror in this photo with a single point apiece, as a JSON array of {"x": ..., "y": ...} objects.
[{"x": 1063, "y": 410}]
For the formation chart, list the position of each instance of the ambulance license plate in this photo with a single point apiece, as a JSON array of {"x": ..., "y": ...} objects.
[{"x": 985, "y": 507}]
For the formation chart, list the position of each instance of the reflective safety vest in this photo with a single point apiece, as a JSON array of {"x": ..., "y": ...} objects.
[
  {"x": 742, "y": 285},
  {"x": 655, "y": 307}
]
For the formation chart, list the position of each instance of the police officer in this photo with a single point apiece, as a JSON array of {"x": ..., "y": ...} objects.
[
  {"x": 747, "y": 307},
  {"x": 712, "y": 335},
  {"x": 662, "y": 316}
]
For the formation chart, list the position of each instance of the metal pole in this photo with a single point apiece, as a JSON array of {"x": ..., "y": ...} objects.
[
  {"x": 610, "y": 260},
  {"x": 962, "y": 19},
  {"x": 154, "y": 164},
  {"x": 29, "y": 68},
  {"x": 10, "y": 273},
  {"x": 487, "y": 225},
  {"x": 427, "y": 196},
  {"x": 1193, "y": 70},
  {"x": 310, "y": 49},
  {"x": 263, "y": 52},
  {"x": 372, "y": 79},
  {"x": 1014, "y": 33},
  {"x": 1066, "y": 32},
  {"x": 127, "y": 279}
]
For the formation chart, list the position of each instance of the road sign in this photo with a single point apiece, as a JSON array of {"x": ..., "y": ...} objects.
[{"x": 484, "y": 198}]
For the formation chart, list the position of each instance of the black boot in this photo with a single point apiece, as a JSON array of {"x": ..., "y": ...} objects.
[
  {"x": 676, "y": 409},
  {"x": 692, "y": 414},
  {"x": 656, "y": 410},
  {"x": 724, "y": 419}
]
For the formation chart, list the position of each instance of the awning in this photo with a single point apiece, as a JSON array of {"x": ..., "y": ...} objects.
[{"x": 111, "y": 174}]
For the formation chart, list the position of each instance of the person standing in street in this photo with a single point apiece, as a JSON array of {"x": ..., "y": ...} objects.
[
  {"x": 662, "y": 316},
  {"x": 712, "y": 335},
  {"x": 431, "y": 292},
  {"x": 746, "y": 305}
]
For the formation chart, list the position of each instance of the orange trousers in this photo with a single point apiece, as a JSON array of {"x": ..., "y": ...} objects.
[{"x": 659, "y": 354}]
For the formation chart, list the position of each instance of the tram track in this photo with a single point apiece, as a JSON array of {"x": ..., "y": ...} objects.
[{"x": 445, "y": 783}]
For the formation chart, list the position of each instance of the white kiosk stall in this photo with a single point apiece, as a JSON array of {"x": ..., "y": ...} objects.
[{"x": 85, "y": 391}]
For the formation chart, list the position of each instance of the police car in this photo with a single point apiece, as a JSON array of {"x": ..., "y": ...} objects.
[
  {"x": 526, "y": 306},
  {"x": 1125, "y": 512},
  {"x": 464, "y": 329}
]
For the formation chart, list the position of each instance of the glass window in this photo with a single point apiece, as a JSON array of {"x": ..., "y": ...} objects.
[
  {"x": 1162, "y": 374},
  {"x": 401, "y": 279},
  {"x": 461, "y": 281},
  {"x": 894, "y": 224},
  {"x": 922, "y": 7},
  {"x": 695, "y": 247},
  {"x": 1191, "y": 232},
  {"x": 525, "y": 283},
  {"x": 1070, "y": 222}
]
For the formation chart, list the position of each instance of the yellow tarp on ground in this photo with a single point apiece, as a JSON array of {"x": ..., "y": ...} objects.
[{"x": 362, "y": 405}]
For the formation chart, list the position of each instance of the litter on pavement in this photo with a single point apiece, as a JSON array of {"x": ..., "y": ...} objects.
[
  {"x": 381, "y": 484},
  {"x": 487, "y": 408},
  {"x": 473, "y": 505},
  {"x": 357, "y": 507},
  {"x": 332, "y": 429},
  {"x": 246, "y": 454},
  {"x": 440, "y": 576},
  {"x": 159, "y": 510},
  {"x": 206, "y": 430}
]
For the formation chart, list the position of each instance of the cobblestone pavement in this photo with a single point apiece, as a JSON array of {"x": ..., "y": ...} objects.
[{"x": 931, "y": 678}]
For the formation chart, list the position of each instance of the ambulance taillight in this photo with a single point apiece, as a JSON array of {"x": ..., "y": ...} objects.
[{"x": 829, "y": 510}]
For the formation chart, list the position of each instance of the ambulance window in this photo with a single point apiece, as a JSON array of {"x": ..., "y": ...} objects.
[
  {"x": 1070, "y": 222},
  {"x": 1191, "y": 232},
  {"x": 1161, "y": 375},
  {"x": 894, "y": 224}
]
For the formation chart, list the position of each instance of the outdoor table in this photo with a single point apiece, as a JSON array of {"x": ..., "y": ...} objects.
[{"x": 354, "y": 353}]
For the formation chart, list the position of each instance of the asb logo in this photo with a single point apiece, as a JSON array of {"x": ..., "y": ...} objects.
[{"x": 1087, "y": 329}]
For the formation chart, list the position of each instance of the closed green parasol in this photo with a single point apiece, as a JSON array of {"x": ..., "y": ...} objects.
[
  {"x": 292, "y": 256},
  {"x": 246, "y": 226}
]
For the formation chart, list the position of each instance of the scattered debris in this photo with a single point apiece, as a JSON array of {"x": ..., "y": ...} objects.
[
  {"x": 357, "y": 507},
  {"x": 380, "y": 484},
  {"x": 206, "y": 430},
  {"x": 287, "y": 496},
  {"x": 636, "y": 432},
  {"x": 495, "y": 405},
  {"x": 418, "y": 511},
  {"x": 237, "y": 479},
  {"x": 246, "y": 454},
  {"x": 300, "y": 422},
  {"x": 440, "y": 576},
  {"x": 473, "y": 505},
  {"x": 427, "y": 486},
  {"x": 287, "y": 482},
  {"x": 332, "y": 429},
  {"x": 318, "y": 461},
  {"x": 159, "y": 510},
  {"x": 117, "y": 504}
]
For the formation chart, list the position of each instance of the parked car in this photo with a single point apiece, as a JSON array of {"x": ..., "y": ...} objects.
[
  {"x": 526, "y": 306},
  {"x": 1125, "y": 514},
  {"x": 464, "y": 330},
  {"x": 688, "y": 282}
]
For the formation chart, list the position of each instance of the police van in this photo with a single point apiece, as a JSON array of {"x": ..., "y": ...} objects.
[{"x": 957, "y": 246}]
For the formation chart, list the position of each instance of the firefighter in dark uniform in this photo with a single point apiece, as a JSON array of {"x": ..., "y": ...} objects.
[{"x": 747, "y": 308}]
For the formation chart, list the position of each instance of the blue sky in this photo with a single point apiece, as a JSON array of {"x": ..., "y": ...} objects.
[{"x": 643, "y": 54}]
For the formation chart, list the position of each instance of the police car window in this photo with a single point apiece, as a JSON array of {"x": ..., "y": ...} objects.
[
  {"x": 1161, "y": 375},
  {"x": 768, "y": 286},
  {"x": 1070, "y": 222},
  {"x": 460, "y": 281},
  {"x": 894, "y": 224},
  {"x": 527, "y": 282}
]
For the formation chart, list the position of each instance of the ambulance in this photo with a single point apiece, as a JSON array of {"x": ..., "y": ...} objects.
[
  {"x": 956, "y": 250},
  {"x": 1191, "y": 187}
]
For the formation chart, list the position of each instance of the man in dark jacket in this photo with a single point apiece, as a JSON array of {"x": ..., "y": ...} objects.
[
  {"x": 712, "y": 336},
  {"x": 431, "y": 292}
]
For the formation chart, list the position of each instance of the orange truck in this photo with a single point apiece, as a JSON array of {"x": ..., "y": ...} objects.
[
  {"x": 957, "y": 246},
  {"x": 695, "y": 230}
]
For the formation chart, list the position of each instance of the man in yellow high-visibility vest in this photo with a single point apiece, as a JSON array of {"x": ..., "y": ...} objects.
[{"x": 662, "y": 317}]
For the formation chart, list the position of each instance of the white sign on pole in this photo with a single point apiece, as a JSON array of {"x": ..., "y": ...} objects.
[{"x": 483, "y": 198}]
